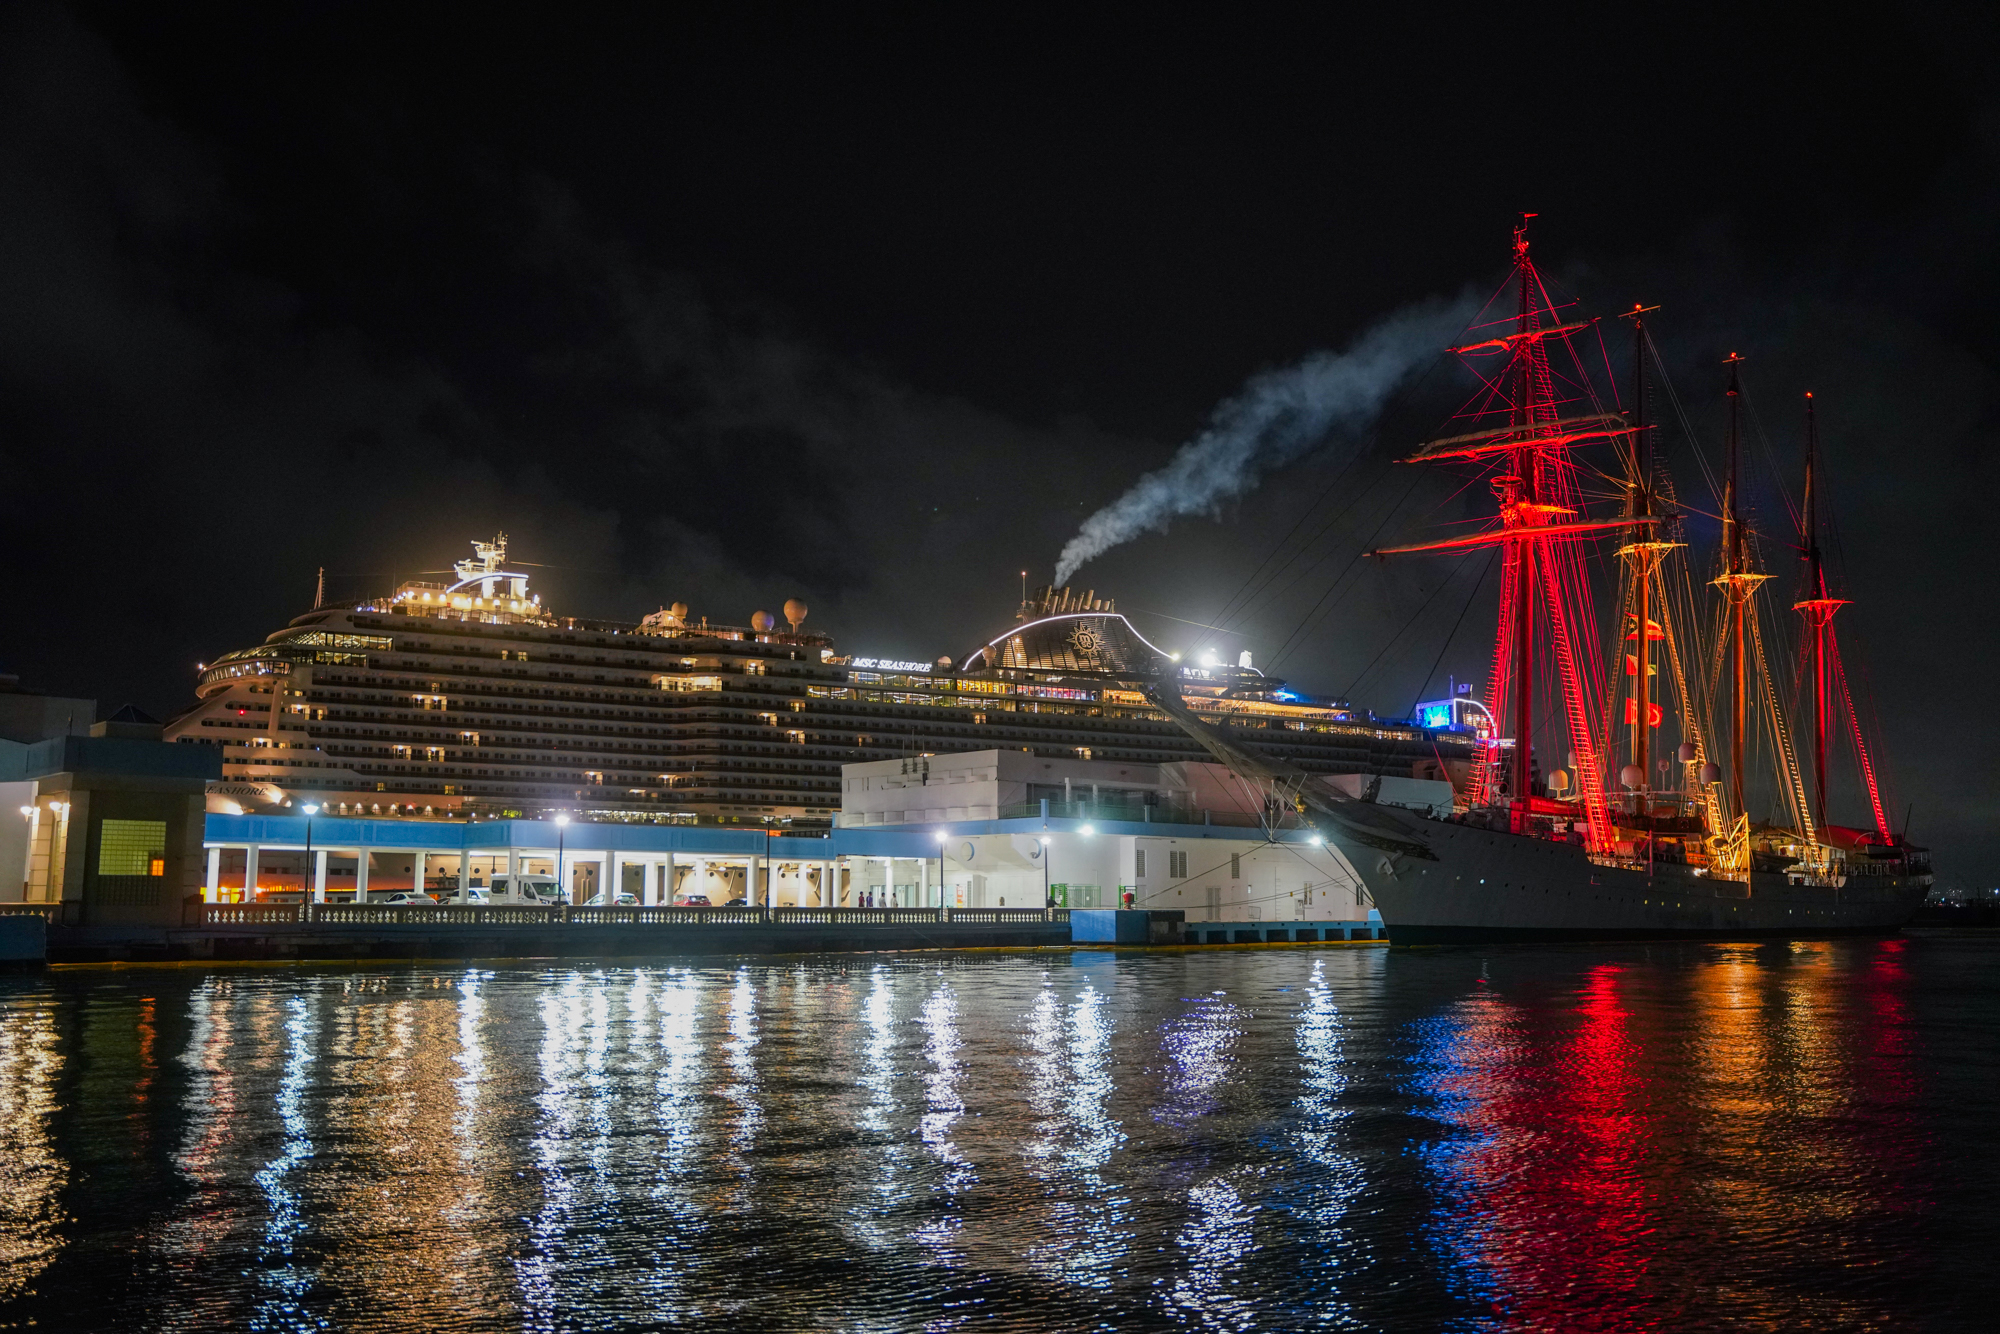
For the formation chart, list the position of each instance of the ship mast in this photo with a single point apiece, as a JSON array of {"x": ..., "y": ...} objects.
[
  {"x": 1540, "y": 515},
  {"x": 1737, "y": 584},
  {"x": 1643, "y": 555},
  {"x": 1523, "y": 498},
  {"x": 1818, "y": 609}
]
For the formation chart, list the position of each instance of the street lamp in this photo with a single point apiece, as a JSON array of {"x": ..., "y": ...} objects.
[
  {"x": 562, "y": 827},
  {"x": 311, "y": 810}
]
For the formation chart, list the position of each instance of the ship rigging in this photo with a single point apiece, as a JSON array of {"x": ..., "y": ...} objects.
[{"x": 1676, "y": 849}]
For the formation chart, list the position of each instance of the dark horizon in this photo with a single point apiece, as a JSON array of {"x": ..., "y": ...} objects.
[{"x": 873, "y": 313}]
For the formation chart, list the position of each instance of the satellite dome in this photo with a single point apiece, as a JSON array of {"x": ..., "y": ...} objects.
[
  {"x": 1686, "y": 752},
  {"x": 795, "y": 612},
  {"x": 1558, "y": 780},
  {"x": 762, "y": 621},
  {"x": 1632, "y": 777},
  {"x": 679, "y": 610},
  {"x": 1711, "y": 772}
]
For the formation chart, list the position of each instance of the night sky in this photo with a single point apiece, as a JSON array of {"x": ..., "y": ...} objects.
[{"x": 873, "y": 310}]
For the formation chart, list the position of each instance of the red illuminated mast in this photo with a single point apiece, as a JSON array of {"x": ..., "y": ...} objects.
[
  {"x": 1544, "y": 594},
  {"x": 1818, "y": 609},
  {"x": 1518, "y": 505},
  {"x": 1829, "y": 675}
]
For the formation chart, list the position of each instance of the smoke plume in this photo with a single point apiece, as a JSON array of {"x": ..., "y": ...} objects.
[{"x": 1279, "y": 416}]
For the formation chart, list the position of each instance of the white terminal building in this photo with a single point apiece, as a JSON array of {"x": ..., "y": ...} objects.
[
  {"x": 980, "y": 831},
  {"x": 1019, "y": 829}
]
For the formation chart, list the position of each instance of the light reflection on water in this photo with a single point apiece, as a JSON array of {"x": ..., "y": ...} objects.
[
  {"x": 1761, "y": 1137},
  {"x": 32, "y": 1172}
]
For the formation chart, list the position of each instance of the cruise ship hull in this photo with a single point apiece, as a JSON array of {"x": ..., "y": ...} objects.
[{"x": 1489, "y": 887}]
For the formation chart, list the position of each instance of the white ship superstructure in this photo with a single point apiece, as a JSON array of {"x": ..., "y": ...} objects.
[{"x": 473, "y": 698}]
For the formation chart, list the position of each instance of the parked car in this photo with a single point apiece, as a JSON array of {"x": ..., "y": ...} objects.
[
  {"x": 738, "y": 902},
  {"x": 693, "y": 901},
  {"x": 621, "y": 899},
  {"x": 473, "y": 894},
  {"x": 539, "y": 890},
  {"x": 410, "y": 896}
]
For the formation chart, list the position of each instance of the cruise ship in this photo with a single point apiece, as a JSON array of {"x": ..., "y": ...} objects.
[{"x": 473, "y": 699}]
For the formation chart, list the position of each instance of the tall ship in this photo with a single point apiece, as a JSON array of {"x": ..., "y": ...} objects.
[
  {"x": 471, "y": 698},
  {"x": 1694, "y": 797}
]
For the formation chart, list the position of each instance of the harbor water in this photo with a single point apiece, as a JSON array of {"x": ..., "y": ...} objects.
[{"x": 1684, "y": 1136}]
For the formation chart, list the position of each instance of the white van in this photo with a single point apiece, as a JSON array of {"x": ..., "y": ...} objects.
[{"x": 538, "y": 890}]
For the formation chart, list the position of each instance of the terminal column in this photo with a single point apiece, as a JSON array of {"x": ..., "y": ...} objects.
[
  {"x": 250, "y": 873},
  {"x": 751, "y": 885},
  {"x": 319, "y": 875},
  {"x": 214, "y": 875},
  {"x": 464, "y": 875},
  {"x": 417, "y": 873},
  {"x": 361, "y": 875},
  {"x": 667, "y": 874}
]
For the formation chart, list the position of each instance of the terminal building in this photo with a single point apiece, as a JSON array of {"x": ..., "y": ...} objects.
[
  {"x": 471, "y": 699},
  {"x": 1183, "y": 837}
]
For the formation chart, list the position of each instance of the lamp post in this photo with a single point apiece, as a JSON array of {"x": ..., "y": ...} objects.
[
  {"x": 311, "y": 810},
  {"x": 562, "y": 828}
]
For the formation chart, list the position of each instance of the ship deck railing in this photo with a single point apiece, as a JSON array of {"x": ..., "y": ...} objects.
[
  {"x": 504, "y": 914},
  {"x": 1724, "y": 884},
  {"x": 1133, "y": 812}
]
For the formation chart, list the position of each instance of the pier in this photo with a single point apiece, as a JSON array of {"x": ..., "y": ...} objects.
[{"x": 298, "y": 887}]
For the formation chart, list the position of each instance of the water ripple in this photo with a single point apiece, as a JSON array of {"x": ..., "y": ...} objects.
[{"x": 1763, "y": 1137}]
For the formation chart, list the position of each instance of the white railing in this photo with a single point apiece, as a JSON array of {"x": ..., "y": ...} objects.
[{"x": 487, "y": 914}]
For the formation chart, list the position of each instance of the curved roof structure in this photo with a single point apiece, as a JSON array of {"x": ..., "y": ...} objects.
[{"x": 1087, "y": 643}]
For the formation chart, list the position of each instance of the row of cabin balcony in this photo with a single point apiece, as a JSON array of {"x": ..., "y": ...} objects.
[
  {"x": 667, "y": 730},
  {"x": 437, "y": 601}
]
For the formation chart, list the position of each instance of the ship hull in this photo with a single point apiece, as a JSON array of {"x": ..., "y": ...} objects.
[{"x": 1485, "y": 886}]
